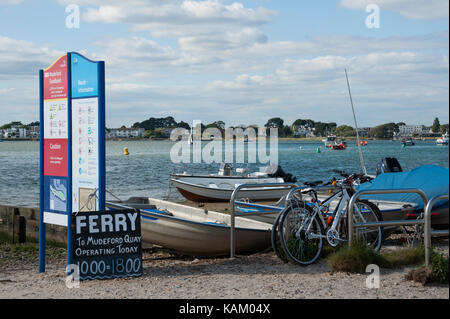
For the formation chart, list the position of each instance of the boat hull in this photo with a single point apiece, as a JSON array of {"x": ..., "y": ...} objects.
[
  {"x": 197, "y": 232},
  {"x": 199, "y": 193},
  {"x": 389, "y": 210}
]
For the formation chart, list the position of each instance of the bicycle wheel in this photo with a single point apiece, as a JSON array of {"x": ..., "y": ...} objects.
[
  {"x": 275, "y": 238},
  {"x": 301, "y": 234},
  {"x": 366, "y": 211}
]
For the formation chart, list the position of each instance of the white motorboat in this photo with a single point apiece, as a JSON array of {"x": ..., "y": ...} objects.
[
  {"x": 330, "y": 140},
  {"x": 443, "y": 140},
  {"x": 194, "y": 231},
  {"x": 219, "y": 187}
]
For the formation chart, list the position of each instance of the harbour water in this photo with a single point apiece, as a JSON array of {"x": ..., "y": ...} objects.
[{"x": 146, "y": 170}]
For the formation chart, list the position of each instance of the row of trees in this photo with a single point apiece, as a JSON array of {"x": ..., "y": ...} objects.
[
  {"x": 18, "y": 124},
  {"x": 156, "y": 127}
]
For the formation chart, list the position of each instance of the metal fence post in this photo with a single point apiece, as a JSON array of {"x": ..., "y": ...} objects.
[
  {"x": 428, "y": 232},
  {"x": 233, "y": 212}
]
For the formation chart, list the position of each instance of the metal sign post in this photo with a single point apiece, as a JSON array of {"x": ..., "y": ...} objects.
[{"x": 72, "y": 143}]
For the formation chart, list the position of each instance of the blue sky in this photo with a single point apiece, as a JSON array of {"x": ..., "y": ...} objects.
[{"x": 238, "y": 61}]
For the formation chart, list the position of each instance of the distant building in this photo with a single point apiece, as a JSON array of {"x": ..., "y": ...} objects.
[
  {"x": 364, "y": 131},
  {"x": 125, "y": 132},
  {"x": 16, "y": 132},
  {"x": 409, "y": 130},
  {"x": 304, "y": 131},
  {"x": 34, "y": 132}
]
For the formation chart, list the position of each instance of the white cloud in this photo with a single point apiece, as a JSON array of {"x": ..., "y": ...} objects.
[
  {"x": 175, "y": 18},
  {"x": 413, "y": 9},
  {"x": 23, "y": 58}
]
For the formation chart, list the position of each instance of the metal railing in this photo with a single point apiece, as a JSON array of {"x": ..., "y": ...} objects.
[
  {"x": 428, "y": 232},
  {"x": 357, "y": 195},
  {"x": 233, "y": 211},
  {"x": 426, "y": 220}
]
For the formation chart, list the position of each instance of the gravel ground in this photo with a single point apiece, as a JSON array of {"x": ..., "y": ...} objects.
[{"x": 166, "y": 276}]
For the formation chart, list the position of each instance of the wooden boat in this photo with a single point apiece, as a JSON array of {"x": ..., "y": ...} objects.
[{"x": 195, "y": 231}]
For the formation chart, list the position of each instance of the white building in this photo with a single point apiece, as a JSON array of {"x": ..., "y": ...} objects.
[
  {"x": 304, "y": 130},
  {"x": 409, "y": 130},
  {"x": 15, "y": 132},
  {"x": 125, "y": 132}
]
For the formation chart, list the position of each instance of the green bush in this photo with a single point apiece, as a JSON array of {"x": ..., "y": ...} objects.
[{"x": 439, "y": 266}]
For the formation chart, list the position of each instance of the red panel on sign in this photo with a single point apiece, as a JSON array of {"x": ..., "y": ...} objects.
[
  {"x": 55, "y": 80},
  {"x": 55, "y": 157}
]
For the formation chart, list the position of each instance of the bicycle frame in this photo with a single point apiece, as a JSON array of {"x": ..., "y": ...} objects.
[{"x": 340, "y": 211}]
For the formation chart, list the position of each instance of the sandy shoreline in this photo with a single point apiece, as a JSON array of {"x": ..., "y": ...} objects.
[{"x": 165, "y": 276}]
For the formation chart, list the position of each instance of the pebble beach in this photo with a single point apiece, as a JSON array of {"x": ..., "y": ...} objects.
[{"x": 169, "y": 276}]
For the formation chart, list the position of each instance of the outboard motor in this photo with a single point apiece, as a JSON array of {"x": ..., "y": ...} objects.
[
  {"x": 276, "y": 171},
  {"x": 389, "y": 165},
  {"x": 225, "y": 169}
]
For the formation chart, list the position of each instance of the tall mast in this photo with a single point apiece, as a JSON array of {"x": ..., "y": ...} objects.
[{"x": 361, "y": 158}]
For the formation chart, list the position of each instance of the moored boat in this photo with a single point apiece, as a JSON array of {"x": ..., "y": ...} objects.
[
  {"x": 339, "y": 146},
  {"x": 195, "y": 231},
  {"x": 219, "y": 187},
  {"x": 329, "y": 140},
  {"x": 408, "y": 142},
  {"x": 443, "y": 140}
]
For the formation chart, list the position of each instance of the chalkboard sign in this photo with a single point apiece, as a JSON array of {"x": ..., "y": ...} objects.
[{"x": 107, "y": 244}]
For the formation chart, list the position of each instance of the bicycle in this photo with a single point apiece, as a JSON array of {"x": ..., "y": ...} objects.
[{"x": 303, "y": 226}]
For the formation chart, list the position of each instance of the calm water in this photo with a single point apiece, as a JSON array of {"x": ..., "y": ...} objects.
[{"x": 146, "y": 171}]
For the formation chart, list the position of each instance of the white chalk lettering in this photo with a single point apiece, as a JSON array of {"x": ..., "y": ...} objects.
[
  {"x": 120, "y": 220},
  {"x": 107, "y": 221},
  {"x": 80, "y": 223},
  {"x": 92, "y": 224}
]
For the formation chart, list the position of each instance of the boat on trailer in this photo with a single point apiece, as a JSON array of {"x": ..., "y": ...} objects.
[{"x": 194, "y": 231}]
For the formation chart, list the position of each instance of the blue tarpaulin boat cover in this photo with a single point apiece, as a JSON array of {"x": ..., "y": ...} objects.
[{"x": 433, "y": 180}]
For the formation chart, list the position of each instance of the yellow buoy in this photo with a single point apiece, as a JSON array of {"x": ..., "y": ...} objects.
[{"x": 125, "y": 151}]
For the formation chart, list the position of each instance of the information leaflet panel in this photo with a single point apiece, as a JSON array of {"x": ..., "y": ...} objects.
[{"x": 54, "y": 143}]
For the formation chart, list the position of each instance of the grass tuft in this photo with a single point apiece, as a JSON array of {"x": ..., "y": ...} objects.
[
  {"x": 355, "y": 258},
  {"x": 405, "y": 256}
]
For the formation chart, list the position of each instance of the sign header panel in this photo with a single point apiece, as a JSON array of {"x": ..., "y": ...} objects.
[
  {"x": 87, "y": 101},
  {"x": 55, "y": 79},
  {"x": 84, "y": 77}
]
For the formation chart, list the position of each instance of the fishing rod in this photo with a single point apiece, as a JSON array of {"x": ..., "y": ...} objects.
[{"x": 361, "y": 157}]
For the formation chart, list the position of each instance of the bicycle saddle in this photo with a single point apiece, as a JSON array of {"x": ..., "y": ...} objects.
[{"x": 313, "y": 184}]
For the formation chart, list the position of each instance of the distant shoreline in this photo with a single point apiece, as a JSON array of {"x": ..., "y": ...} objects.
[{"x": 315, "y": 139}]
